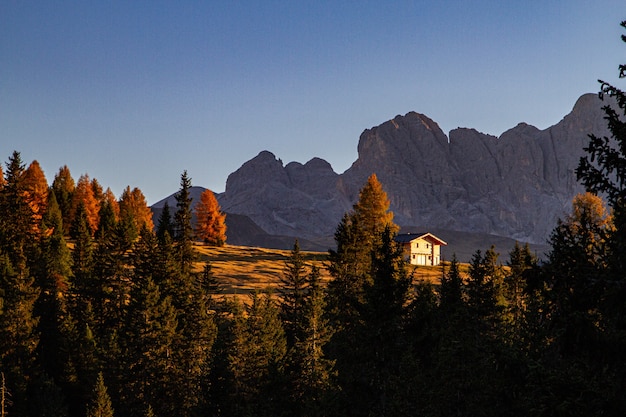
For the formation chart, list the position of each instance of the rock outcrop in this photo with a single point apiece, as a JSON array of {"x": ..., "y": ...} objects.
[{"x": 515, "y": 185}]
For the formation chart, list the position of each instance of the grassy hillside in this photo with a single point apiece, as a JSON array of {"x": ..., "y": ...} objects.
[{"x": 242, "y": 269}]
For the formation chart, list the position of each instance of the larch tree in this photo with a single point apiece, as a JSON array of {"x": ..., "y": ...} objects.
[
  {"x": 210, "y": 220},
  {"x": 63, "y": 186},
  {"x": 36, "y": 187},
  {"x": 84, "y": 193},
  {"x": 133, "y": 205},
  {"x": 357, "y": 236}
]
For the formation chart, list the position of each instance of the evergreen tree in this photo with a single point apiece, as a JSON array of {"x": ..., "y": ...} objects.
[
  {"x": 148, "y": 340},
  {"x": 18, "y": 336},
  {"x": 100, "y": 405},
  {"x": 63, "y": 187},
  {"x": 183, "y": 231},
  {"x": 255, "y": 359},
  {"x": 293, "y": 291},
  {"x": 17, "y": 228},
  {"x": 165, "y": 224},
  {"x": 210, "y": 220},
  {"x": 53, "y": 275}
]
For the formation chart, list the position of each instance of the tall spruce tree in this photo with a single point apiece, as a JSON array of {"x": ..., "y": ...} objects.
[{"x": 183, "y": 230}]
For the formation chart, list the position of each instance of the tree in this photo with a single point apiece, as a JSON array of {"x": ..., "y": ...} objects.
[
  {"x": 358, "y": 234},
  {"x": 293, "y": 293},
  {"x": 183, "y": 231},
  {"x": 255, "y": 358},
  {"x": 210, "y": 220},
  {"x": 17, "y": 227},
  {"x": 132, "y": 205},
  {"x": 148, "y": 340},
  {"x": 18, "y": 335},
  {"x": 84, "y": 194},
  {"x": 36, "y": 188},
  {"x": 372, "y": 211},
  {"x": 63, "y": 187},
  {"x": 165, "y": 224},
  {"x": 603, "y": 171},
  {"x": 100, "y": 405}
]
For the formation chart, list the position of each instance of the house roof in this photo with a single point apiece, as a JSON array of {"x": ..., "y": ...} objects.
[{"x": 410, "y": 237}]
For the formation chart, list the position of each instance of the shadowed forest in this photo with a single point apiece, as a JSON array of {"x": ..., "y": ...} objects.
[{"x": 103, "y": 313}]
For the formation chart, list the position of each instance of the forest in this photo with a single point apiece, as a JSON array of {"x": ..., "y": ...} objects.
[{"x": 103, "y": 313}]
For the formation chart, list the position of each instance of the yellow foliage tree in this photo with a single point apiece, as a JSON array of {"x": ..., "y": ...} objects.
[
  {"x": 372, "y": 212},
  {"x": 210, "y": 220},
  {"x": 133, "y": 205}
]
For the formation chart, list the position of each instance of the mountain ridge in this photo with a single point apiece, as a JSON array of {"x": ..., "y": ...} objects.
[{"x": 514, "y": 186}]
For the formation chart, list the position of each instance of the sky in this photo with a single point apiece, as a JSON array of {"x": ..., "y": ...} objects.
[{"x": 134, "y": 93}]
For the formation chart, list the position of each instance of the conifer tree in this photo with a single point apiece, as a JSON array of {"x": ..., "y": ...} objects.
[
  {"x": 148, "y": 340},
  {"x": 357, "y": 236},
  {"x": 100, "y": 405},
  {"x": 52, "y": 278},
  {"x": 133, "y": 206},
  {"x": 83, "y": 193},
  {"x": 293, "y": 291},
  {"x": 165, "y": 224},
  {"x": 17, "y": 227},
  {"x": 18, "y": 336},
  {"x": 63, "y": 187},
  {"x": 255, "y": 358},
  {"x": 372, "y": 211},
  {"x": 183, "y": 231},
  {"x": 210, "y": 220},
  {"x": 36, "y": 189}
]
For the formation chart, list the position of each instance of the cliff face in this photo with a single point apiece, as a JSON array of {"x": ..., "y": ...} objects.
[{"x": 516, "y": 185}]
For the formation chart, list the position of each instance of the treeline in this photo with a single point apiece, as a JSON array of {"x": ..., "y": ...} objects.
[{"x": 128, "y": 323}]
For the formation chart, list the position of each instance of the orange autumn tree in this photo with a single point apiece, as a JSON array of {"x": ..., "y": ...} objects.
[
  {"x": 132, "y": 205},
  {"x": 84, "y": 193},
  {"x": 210, "y": 220},
  {"x": 36, "y": 189}
]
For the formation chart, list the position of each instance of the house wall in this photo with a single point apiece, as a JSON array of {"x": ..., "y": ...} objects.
[{"x": 422, "y": 252}]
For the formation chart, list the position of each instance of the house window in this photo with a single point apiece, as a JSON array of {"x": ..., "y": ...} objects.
[
  {"x": 413, "y": 256},
  {"x": 427, "y": 246},
  {"x": 417, "y": 245}
]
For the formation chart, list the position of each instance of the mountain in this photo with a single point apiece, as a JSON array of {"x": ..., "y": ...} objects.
[{"x": 514, "y": 186}]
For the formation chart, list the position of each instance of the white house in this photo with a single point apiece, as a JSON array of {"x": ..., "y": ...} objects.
[{"x": 421, "y": 248}]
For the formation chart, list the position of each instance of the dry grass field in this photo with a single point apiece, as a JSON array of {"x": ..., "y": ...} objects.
[{"x": 242, "y": 270}]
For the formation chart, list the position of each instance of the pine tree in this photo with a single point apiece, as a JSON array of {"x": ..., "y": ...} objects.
[
  {"x": 210, "y": 220},
  {"x": 100, "y": 405}
]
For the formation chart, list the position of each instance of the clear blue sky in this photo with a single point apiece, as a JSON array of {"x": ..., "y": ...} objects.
[{"x": 134, "y": 92}]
